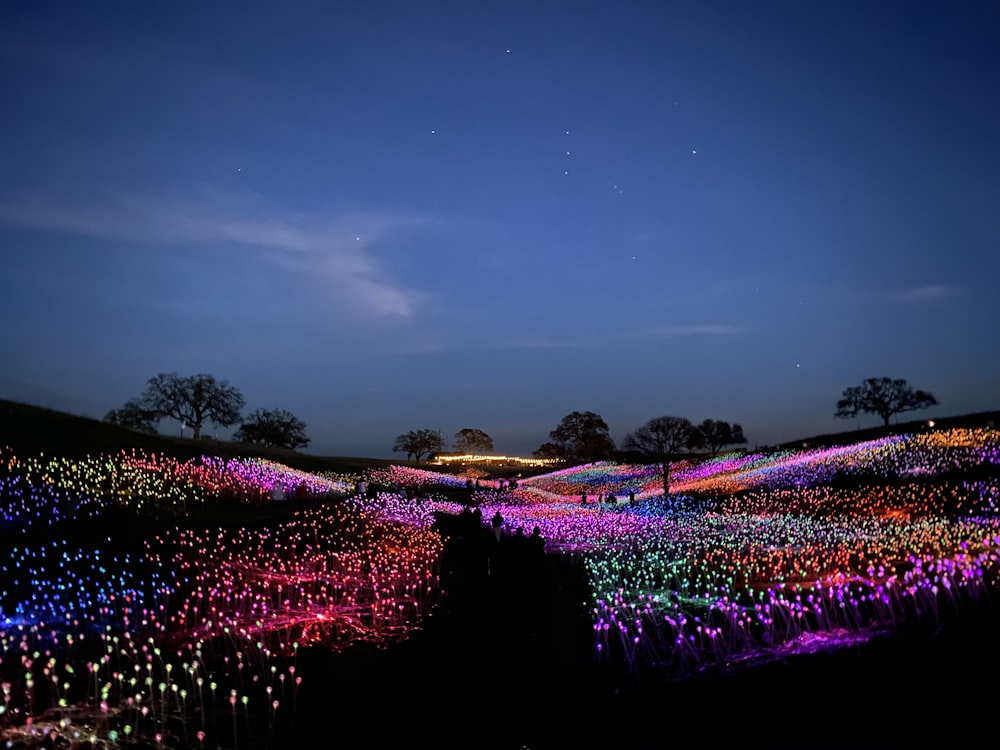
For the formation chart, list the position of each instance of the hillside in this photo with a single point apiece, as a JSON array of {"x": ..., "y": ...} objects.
[
  {"x": 31, "y": 430},
  {"x": 967, "y": 421}
]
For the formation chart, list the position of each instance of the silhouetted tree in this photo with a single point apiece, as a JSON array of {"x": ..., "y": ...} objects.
[
  {"x": 661, "y": 439},
  {"x": 192, "y": 400},
  {"x": 419, "y": 443},
  {"x": 133, "y": 416},
  {"x": 276, "y": 428},
  {"x": 581, "y": 437},
  {"x": 884, "y": 397},
  {"x": 469, "y": 440},
  {"x": 547, "y": 450},
  {"x": 717, "y": 434}
]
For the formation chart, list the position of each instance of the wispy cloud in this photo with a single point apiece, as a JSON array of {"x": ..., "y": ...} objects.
[
  {"x": 575, "y": 341},
  {"x": 927, "y": 293},
  {"x": 538, "y": 342},
  {"x": 334, "y": 250},
  {"x": 709, "y": 329}
]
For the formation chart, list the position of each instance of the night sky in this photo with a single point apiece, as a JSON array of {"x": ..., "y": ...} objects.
[{"x": 388, "y": 216}]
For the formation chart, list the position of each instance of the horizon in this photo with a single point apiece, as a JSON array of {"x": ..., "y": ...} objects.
[
  {"x": 169, "y": 427},
  {"x": 393, "y": 217}
]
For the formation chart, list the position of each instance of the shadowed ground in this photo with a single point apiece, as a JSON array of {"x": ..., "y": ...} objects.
[{"x": 507, "y": 663}]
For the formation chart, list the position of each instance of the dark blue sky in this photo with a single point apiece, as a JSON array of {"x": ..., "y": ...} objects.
[{"x": 385, "y": 216}]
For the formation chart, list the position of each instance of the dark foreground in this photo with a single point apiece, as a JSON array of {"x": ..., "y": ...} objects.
[{"x": 506, "y": 663}]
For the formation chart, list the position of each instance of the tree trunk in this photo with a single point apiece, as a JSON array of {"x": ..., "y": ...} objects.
[{"x": 199, "y": 418}]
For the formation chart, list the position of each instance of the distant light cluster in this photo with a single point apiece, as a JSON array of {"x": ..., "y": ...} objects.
[{"x": 474, "y": 458}]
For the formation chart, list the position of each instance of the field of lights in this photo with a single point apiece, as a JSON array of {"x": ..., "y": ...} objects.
[{"x": 125, "y": 620}]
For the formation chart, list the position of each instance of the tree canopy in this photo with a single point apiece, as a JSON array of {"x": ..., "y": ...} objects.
[
  {"x": 717, "y": 434},
  {"x": 468, "y": 440},
  {"x": 191, "y": 400},
  {"x": 884, "y": 397},
  {"x": 661, "y": 439},
  {"x": 133, "y": 416},
  {"x": 417, "y": 444},
  {"x": 581, "y": 437},
  {"x": 275, "y": 428}
]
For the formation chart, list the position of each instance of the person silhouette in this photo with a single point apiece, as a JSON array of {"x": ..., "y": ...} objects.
[
  {"x": 534, "y": 564},
  {"x": 497, "y": 525},
  {"x": 520, "y": 550},
  {"x": 536, "y": 544}
]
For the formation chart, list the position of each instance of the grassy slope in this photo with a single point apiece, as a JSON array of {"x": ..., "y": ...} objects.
[
  {"x": 977, "y": 419},
  {"x": 31, "y": 430}
]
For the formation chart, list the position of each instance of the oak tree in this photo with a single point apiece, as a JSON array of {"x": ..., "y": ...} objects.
[
  {"x": 468, "y": 440},
  {"x": 133, "y": 416},
  {"x": 884, "y": 397},
  {"x": 718, "y": 434},
  {"x": 192, "y": 400},
  {"x": 419, "y": 443},
  {"x": 661, "y": 439},
  {"x": 275, "y": 428},
  {"x": 581, "y": 437}
]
